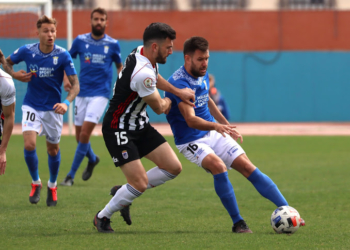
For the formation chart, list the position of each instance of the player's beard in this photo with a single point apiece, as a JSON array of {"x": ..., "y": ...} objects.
[
  {"x": 195, "y": 72},
  {"x": 97, "y": 32},
  {"x": 160, "y": 59}
]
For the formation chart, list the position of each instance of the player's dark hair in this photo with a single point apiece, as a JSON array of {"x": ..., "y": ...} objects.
[
  {"x": 194, "y": 43},
  {"x": 158, "y": 31},
  {"x": 100, "y": 11},
  {"x": 45, "y": 19}
]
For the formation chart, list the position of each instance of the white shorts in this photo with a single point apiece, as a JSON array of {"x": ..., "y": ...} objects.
[
  {"x": 43, "y": 122},
  {"x": 89, "y": 109},
  {"x": 213, "y": 142}
]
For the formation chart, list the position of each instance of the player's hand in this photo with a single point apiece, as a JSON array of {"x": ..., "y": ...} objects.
[
  {"x": 22, "y": 76},
  {"x": 230, "y": 130},
  {"x": 60, "y": 108},
  {"x": 2, "y": 162},
  {"x": 169, "y": 106},
  {"x": 67, "y": 86},
  {"x": 187, "y": 96}
]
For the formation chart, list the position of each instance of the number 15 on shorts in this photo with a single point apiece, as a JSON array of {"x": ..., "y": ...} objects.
[{"x": 121, "y": 138}]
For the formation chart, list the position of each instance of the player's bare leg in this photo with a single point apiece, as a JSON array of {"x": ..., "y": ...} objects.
[{"x": 32, "y": 161}]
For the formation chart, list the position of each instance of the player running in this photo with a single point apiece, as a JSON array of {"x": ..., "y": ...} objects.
[
  {"x": 126, "y": 129},
  {"x": 97, "y": 52},
  {"x": 205, "y": 137},
  {"x": 42, "y": 107},
  {"x": 7, "y": 111}
]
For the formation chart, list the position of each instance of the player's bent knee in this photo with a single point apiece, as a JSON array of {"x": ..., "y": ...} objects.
[
  {"x": 217, "y": 168},
  {"x": 29, "y": 145}
]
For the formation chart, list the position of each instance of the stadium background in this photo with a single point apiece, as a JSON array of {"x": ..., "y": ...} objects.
[{"x": 270, "y": 66}]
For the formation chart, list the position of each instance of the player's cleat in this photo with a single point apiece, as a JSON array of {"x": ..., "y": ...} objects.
[
  {"x": 51, "y": 200},
  {"x": 34, "y": 196},
  {"x": 68, "y": 181},
  {"x": 125, "y": 212},
  {"x": 89, "y": 168},
  {"x": 103, "y": 225},
  {"x": 241, "y": 227},
  {"x": 302, "y": 222}
]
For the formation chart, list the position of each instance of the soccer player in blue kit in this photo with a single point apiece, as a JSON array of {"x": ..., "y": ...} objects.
[
  {"x": 42, "y": 107},
  {"x": 97, "y": 52},
  {"x": 205, "y": 137}
]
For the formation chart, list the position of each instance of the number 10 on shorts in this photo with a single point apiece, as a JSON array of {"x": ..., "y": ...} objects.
[{"x": 121, "y": 138}]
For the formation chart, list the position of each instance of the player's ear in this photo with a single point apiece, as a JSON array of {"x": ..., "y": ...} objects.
[
  {"x": 154, "y": 46},
  {"x": 187, "y": 58}
]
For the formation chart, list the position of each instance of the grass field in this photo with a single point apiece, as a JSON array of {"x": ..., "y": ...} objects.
[{"x": 313, "y": 173}]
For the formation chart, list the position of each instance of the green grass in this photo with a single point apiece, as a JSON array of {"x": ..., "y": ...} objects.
[{"x": 312, "y": 172}]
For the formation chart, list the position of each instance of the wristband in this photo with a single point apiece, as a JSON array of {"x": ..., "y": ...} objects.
[{"x": 66, "y": 102}]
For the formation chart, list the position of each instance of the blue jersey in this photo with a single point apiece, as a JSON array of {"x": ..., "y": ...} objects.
[
  {"x": 96, "y": 58},
  {"x": 44, "y": 88},
  {"x": 182, "y": 132}
]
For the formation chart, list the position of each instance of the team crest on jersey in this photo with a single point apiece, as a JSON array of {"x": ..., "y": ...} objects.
[
  {"x": 106, "y": 49},
  {"x": 148, "y": 82},
  {"x": 33, "y": 68},
  {"x": 125, "y": 154},
  {"x": 87, "y": 45},
  {"x": 87, "y": 57},
  {"x": 55, "y": 60}
]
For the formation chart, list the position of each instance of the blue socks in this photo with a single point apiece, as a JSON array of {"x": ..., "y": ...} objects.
[
  {"x": 224, "y": 190},
  {"x": 90, "y": 154},
  {"x": 32, "y": 161},
  {"x": 267, "y": 188},
  {"x": 54, "y": 165},
  {"x": 80, "y": 153}
]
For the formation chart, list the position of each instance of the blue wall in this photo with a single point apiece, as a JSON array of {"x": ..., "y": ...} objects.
[{"x": 260, "y": 87}]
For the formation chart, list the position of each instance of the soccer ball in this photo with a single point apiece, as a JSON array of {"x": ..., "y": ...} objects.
[{"x": 285, "y": 219}]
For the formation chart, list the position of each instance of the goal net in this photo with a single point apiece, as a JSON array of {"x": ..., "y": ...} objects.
[{"x": 18, "y": 27}]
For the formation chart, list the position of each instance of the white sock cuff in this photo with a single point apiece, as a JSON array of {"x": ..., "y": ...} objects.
[
  {"x": 51, "y": 185},
  {"x": 37, "y": 182}
]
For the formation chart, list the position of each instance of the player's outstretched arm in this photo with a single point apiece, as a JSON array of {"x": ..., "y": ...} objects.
[
  {"x": 186, "y": 94},
  {"x": 61, "y": 108},
  {"x": 158, "y": 105},
  {"x": 215, "y": 112},
  {"x": 119, "y": 67},
  {"x": 20, "y": 75},
  {"x": 196, "y": 122},
  {"x": 9, "y": 113}
]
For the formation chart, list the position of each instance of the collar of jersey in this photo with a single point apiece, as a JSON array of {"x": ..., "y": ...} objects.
[
  {"x": 183, "y": 68},
  {"x": 54, "y": 47},
  {"x": 141, "y": 53},
  {"x": 104, "y": 36}
]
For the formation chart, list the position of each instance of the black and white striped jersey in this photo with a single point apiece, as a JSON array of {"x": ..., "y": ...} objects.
[{"x": 138, "y": 79}]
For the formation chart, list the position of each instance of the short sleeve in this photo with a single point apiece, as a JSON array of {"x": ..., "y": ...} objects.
[
  {"x": 144, "y": 82},
  {"x": 117, "y": 57},
  {"x": 74, "y": 49},
  {"x": 69, "y": 65},
  {"x": 18, "y": 55},
  {"x": 8, "y": 91}
]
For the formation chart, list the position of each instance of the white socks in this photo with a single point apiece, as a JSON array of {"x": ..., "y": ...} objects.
[
  {"x": 51, "y": 185},
  {"x": 157, "y": 176},
  {"x": 127, "y": 193},
  {"x": 124, "y": 197},
  {"x": 36, "y": 182}
]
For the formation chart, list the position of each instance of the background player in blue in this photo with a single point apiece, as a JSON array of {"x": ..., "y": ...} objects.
[
  {"x": 212, "y": 145},
  {"x": 42, "y": 107},
  {"x": 97, "y": 52}
]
